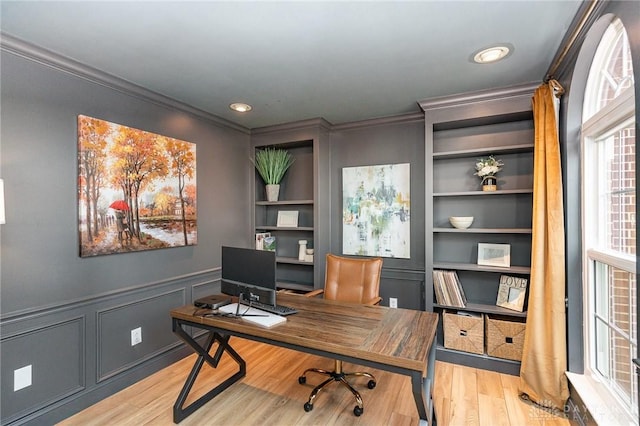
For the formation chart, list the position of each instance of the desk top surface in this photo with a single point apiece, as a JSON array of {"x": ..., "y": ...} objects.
[{"x": 397, "y": 337}]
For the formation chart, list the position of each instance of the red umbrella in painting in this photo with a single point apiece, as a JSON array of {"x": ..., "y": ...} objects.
[{"x": 119, "y": 205}]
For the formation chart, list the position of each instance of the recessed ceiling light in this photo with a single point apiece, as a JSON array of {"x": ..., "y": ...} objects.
[
  {"x": 240, "y": 107},
  {"x": 491, "y": 54}
]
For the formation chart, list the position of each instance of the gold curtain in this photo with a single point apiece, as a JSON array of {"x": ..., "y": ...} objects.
[{"x": 544, "y": 358}]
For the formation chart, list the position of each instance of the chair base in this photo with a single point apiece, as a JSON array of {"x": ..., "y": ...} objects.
[{"x": 340, "y": 377}]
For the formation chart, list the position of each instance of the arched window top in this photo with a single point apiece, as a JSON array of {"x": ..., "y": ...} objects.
[{"x": 611, "y": 72}]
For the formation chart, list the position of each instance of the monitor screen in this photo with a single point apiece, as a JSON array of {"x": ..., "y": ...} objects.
[{"x": 250, "y": 273}]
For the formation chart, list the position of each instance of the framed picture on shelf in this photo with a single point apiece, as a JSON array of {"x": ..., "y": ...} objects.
[
  {"x": 512, "y": 292},
  {"x": 269, "y": 243},
  {"x": 287, "y": 219},
  {"x": 494, "y": 255}
]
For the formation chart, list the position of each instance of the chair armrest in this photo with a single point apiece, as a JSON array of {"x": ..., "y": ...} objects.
[
  {"x": 314, "y": 293},
  {"x": 374, "y": 301}
]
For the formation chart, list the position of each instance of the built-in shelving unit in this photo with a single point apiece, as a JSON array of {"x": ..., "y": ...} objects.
[
  {"x": 295, "y": 190},
  {"x": 300, "y": 190},
  {"x": 458, "y": 131}
]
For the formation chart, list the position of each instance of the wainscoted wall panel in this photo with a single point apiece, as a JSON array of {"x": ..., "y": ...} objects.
[
  {"x": 204, "y": 289},
  {"x": 56, "y": 355},
  {"x": 114, "y": 325},
  {"x": 81, "y": 352},
  {"x": 405, "y": 285}
]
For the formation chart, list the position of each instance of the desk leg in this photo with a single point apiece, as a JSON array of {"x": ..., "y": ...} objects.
[
  {"x": 180, "y": 412},
  {"x": 422, "y": 387}
]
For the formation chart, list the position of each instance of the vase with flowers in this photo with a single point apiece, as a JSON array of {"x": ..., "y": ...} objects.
[{"x": 486, "y": 169}]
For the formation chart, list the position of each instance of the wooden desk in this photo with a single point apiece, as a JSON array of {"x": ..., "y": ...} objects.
[{"x": 395, "y": 340}]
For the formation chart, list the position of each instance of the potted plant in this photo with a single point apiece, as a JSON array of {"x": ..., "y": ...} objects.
[
  {"x": 272, "y": 164},
  {"x": 486, "y": 169}
]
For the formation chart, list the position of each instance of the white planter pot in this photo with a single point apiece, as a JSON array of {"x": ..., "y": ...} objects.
[{"x": 272, "y": 192}]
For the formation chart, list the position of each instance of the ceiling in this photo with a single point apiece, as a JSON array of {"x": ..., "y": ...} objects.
[{"x": 343, "y": 60}]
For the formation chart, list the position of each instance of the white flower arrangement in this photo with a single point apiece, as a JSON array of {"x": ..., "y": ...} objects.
[{"x": 488, "y": 167}]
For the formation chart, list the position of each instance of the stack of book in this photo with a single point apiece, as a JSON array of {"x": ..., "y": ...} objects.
[{"x": 448, "y": 289}]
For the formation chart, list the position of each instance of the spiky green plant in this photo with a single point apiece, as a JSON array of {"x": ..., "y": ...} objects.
[{"x": 272, "y": 164}]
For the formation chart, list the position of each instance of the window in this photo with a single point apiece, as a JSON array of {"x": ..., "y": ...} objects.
[{"x": 609, "y": 222}]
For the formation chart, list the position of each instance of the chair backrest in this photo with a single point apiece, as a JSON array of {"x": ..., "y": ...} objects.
[{"x": 352, "y": 279}]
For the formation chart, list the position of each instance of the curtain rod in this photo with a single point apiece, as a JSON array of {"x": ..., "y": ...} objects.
[{"x": 572, "y": 39}]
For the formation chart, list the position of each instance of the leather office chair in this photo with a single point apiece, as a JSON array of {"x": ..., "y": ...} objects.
[{"x": 347, "y": 280}]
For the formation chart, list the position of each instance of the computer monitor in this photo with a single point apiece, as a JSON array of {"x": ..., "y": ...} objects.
[{"x": 249, "y": 273}]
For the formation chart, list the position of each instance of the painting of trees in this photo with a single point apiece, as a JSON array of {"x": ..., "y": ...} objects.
[{"x": 136, "y": 189}]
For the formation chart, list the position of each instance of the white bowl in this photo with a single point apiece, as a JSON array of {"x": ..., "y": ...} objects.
[{"x": 461, "y": 222}]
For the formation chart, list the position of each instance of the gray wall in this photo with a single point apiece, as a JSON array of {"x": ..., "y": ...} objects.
[
  {"x": 70, "y": 317},
  {"x": 386, "y": 141}
]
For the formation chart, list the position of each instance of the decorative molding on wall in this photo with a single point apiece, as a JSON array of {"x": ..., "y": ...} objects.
[
  {"x": 144, "y": 312},
  {"x": 204, "y": 289},
  {"x": 48, "y": 58},
  {"x": 48, "y": 362},
  {"x": 69, "y": 304},
  {"x": 75, "y": 367},
  {"x": 402, "y": 271}
]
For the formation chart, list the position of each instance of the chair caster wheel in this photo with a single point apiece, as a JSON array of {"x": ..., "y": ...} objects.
[
  {"x": 358, "y": 411},
  {"x": 308, "y": 407},
  {"x": 302, "y": 380},
  {"x": 371, "y": 384}
]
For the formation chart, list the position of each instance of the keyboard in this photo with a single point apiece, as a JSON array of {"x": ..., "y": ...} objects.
[{"x": 277, "y": 309}]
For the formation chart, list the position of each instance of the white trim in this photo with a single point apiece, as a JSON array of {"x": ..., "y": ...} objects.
[
  {"x": 597, "y": 392},
  {"x": 612, "y": 115},
  {"x": 626, "y": 262},
  {"x": 604, "y": 407}
]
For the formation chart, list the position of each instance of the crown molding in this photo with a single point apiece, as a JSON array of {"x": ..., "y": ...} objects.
[
  {"x": 67, "y": 65},
  {"x": 295, "y": 125},
  {"x": 414, "y": 117},
  {"x": 525, "y": 89}
]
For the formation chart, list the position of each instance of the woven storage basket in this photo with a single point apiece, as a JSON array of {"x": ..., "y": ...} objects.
[
  {"x": 505, "y": 338},
  {"x": 463, "y": 333}
]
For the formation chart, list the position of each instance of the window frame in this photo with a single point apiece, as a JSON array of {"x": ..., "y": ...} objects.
[{"x": 614, "y": 116}]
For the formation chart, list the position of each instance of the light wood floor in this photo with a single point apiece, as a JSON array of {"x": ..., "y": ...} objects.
[{"x": 271, "y": 395}]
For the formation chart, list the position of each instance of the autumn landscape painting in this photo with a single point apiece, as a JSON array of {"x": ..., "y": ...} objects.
[{"x": 136, "y": 189}]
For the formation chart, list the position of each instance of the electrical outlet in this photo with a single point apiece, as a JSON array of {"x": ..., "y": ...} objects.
[
  {"x": 393, "y": 302},
  {"x": 136, "y": 336},
  {"x": 21, "y": 378}
]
